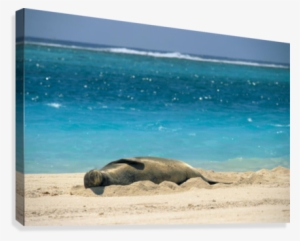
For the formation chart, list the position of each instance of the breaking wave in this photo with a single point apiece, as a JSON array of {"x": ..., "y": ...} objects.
[{"x": 161, "y": 55}]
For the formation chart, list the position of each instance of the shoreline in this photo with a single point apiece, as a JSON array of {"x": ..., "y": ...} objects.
[
  {"x": 254, "y": 197},
  {"x": 230, "y": 165}
]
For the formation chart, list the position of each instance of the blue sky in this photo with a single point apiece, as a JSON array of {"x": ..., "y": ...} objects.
[{"x": 57, "y": 26}]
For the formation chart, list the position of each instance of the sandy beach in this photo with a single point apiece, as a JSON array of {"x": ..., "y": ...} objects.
[{"x": 253, "y": 197}]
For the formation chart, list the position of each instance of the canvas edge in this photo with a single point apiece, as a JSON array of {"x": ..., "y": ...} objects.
[{"x": 19, "y": 121}]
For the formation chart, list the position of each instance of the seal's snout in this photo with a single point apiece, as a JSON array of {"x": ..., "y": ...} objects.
[{"x": 92, "y": 179}]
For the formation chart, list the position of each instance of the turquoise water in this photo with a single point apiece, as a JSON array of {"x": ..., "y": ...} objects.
[{"x": 84, "y": 108}]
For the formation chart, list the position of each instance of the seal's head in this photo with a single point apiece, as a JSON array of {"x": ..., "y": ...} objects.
[{"x": 92, "y": 178}]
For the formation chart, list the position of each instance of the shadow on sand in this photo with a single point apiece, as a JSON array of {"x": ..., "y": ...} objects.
[{"x": 81, "y": 190}]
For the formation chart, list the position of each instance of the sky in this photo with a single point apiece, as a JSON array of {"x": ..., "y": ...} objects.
[{"x": 58, "y": 26}]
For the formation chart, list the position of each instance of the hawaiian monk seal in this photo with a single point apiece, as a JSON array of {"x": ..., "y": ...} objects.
[{"x": 128, "y": 170}]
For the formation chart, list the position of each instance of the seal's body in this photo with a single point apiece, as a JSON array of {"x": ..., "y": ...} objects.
[{"x": 128, "y": 170}]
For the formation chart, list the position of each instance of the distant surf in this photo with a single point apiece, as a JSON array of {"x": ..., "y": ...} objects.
[{"x": 157, "y": 54}]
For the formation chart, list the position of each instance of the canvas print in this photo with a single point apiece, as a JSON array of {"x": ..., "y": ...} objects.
[{"x": 121, "y": 123}]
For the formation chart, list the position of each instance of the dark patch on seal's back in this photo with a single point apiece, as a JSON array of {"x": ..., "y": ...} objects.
[
  {"x": 135, "y": 164},
  {"x": 158, "y": 159}
]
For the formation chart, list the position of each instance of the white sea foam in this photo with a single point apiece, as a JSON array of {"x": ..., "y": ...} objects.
[
  {"x": 55, "y": 105},
  {"x": 188, "y": 57},
  {"x": 242, "y": 164},
  {"x": 161, "y": 55},
  {"x": 279, "y": 125},
  {"x": 160, "y": 128}
]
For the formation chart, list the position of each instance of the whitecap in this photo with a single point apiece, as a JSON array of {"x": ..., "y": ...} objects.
[
  {"x": 160, "y": 128},
  {"x": 55, "y": 105},
  {"x": 280, "y": 125}
]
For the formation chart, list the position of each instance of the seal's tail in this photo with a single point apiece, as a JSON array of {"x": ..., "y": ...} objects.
[{"x": 210, "y": 182}]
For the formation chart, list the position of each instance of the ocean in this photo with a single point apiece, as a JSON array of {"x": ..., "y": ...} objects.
[{"x": 87, "y": 106}]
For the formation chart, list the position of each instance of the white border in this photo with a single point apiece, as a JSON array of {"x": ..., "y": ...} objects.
[{"x": 264, "y": 19}]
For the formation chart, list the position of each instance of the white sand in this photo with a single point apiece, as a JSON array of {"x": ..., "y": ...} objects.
[{"x": 254, "y": 197}]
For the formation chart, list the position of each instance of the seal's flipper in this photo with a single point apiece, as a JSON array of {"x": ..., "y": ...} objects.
[
  {"x": 210, "y": 182},
  {"x": 131, "y": 162}
]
